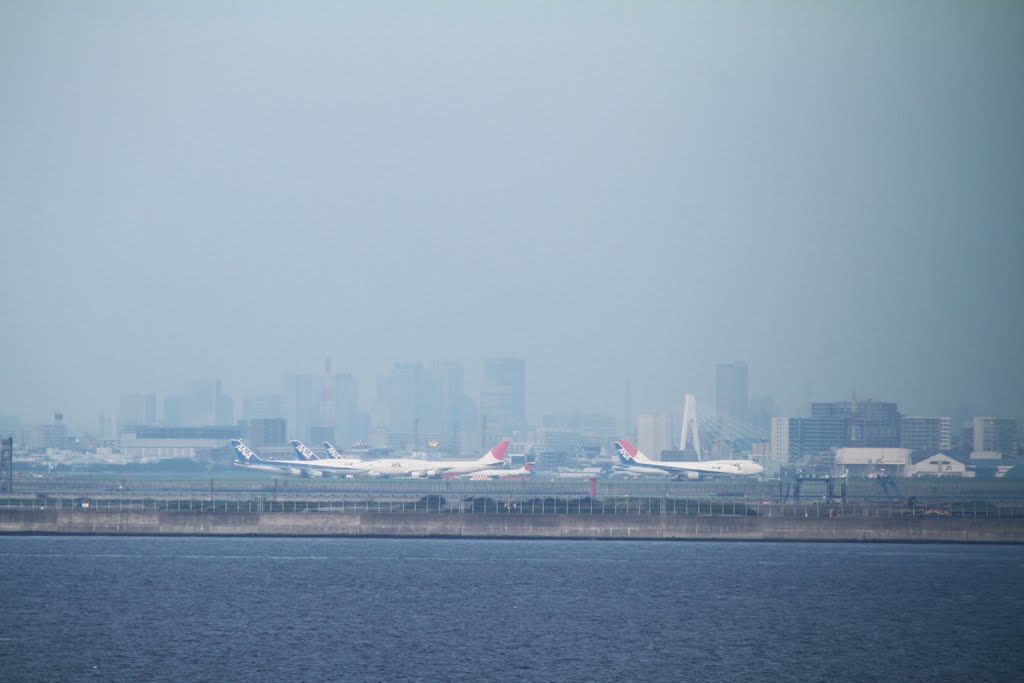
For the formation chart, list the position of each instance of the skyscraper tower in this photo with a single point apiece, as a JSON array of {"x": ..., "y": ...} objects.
[
  {"x": 503, "y": 396},
  {"x": 327, "y": 398},
  {"x": 297, "y": 405},
  {"x": 731, "y": 390}
]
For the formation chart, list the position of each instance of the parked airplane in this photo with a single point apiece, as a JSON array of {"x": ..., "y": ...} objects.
[
  {"x": 336, "y": 464},
  {"x": 387, "y": 467},
  {"x": 244, "y": 457},
  {"x": 524, "y": 471},
  {"x": 633, "y": 461},
  {"x": 415, "y": 467}
]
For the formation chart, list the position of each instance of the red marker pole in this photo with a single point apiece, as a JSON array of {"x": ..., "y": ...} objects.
[{"x": 593, "y": 487}]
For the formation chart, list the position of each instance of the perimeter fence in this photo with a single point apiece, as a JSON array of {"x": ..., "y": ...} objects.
[{"x": 434, "y": 504}]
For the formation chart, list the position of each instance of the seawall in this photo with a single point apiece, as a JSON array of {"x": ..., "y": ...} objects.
[{"x": 422, "y": 525}]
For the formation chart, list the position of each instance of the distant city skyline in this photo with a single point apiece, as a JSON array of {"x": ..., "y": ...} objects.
[
  {"x": 205, "y": 402},
  {"x": 828, "y": 192}
]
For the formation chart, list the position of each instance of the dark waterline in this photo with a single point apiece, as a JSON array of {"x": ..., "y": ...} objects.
[{"x": 105, "y": 608}]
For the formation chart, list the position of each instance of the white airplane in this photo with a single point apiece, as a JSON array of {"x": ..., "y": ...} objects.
[
  {"x": 415, "y": 467},
  {"x": 336, "y": 464},
  {"x": 634, "y": 462},
  {"x": 244, "y": 457},
  {"x": 524, "y": 471}
]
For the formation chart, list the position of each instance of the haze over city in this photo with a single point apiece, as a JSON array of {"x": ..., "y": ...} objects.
[{"x": 829, "y": 192}]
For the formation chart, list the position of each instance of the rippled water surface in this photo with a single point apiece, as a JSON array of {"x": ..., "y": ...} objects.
[{"x": 189, "y": 609}]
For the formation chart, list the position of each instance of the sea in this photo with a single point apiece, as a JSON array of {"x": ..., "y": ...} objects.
[{"x": 334, "y": 609}]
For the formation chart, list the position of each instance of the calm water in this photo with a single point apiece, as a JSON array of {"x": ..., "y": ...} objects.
[{"x": 190, "y": 609}]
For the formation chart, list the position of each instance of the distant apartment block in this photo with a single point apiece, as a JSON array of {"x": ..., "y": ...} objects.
[
  {"x": 869, "y": 424},
  {"x": 798, "y": 438},
  {"x": 930, "y": 434},
  {"x": 994, "y": 434},
  {"x": 46, "y": 436}
]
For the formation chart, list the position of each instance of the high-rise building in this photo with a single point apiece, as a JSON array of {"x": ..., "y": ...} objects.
[
  {"x": 348, "y": 427},
  {"x": 409, "y": 404},
  {"x": 336, "y": 410},
  {"x": 799, "y": 438},
  {"x": 931, "y": 434},
  {"x": 271, "y": 431},
  {"x": 995, "y": 434},
  {"x": 262, "y": 407},
  {"x": 174, "y": 411},
  {"x": 731, "y": 390},
  {"x": 225, "y": 415},
  {"x": 136, "y": 409},
  {"x": 503, "y": 396},
  {"x": 654, "y": 434},
  {"x": 427, "y": 405},
  {"x": 297, "y": 404},
  {"x": 205, "y": 405}
]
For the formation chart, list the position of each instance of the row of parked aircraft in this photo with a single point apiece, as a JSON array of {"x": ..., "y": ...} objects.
[
  {"x": 632, "y": 461},
  {"x": 491, "y": 465}
]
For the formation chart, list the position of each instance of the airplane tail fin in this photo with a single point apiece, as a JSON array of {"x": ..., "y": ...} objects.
[
  {"x": 496, "y": 455},
  {"x": 331, "y": 450},
  {"x": 303, "y": 451},
  {"x": 628, "y": 453},
  {"x": 243, "y": 453}
]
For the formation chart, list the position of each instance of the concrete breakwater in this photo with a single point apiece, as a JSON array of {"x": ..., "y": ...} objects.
[{"x": 497, "y": 525}]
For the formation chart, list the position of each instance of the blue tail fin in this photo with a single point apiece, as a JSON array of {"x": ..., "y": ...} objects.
[
  {"x": 243, "y": 453},
  {"x": 303, "y": 451}
]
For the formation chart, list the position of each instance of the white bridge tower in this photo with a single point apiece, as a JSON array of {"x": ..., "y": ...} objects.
[{"x": 690, "y": 416}]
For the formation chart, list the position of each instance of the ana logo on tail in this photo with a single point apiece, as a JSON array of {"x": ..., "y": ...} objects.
[
  {"x": 330, "y": 449},
  {"x": 244, "y": 454},
  {"x": 625, "y": 451},
  {"x": 303, "y": 451}
]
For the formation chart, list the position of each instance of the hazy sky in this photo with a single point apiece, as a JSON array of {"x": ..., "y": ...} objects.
[{"x": 832, "y": 192}]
